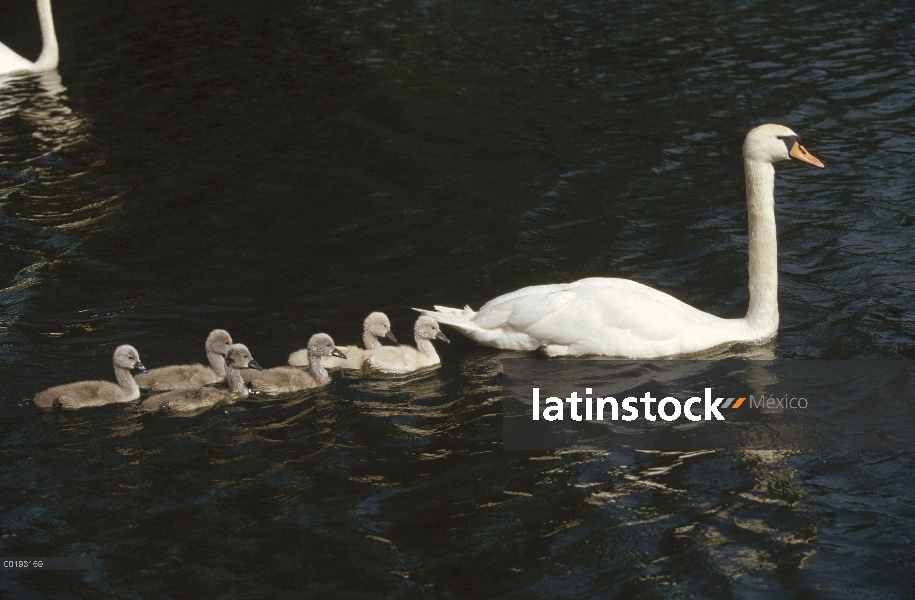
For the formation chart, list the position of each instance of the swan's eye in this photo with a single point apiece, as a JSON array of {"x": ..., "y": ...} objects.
[{"x": 789, "y": 140}]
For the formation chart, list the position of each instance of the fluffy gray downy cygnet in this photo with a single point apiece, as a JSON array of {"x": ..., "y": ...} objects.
[
  {"x": 376, "y": 325},
  {"x": 282, "y": 380},
  {"x": 185, "y": 377},
  {"x": 238, "y": 358},
  {"x": 406, "y": 359},
  {"x": 97, "y": 393}
]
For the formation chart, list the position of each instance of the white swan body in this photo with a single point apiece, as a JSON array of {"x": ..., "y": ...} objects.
[
  {"x": 376, "y": 325},
  {"x": 10, "y": 62},
  {"x": 595, "y": 316},
  {"x": 399, "y": 360},
  {"x": 619, "y": 317}
]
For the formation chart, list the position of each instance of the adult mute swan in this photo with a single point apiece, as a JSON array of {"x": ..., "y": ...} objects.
[
  {"x": 618, "y": 317},
  {"x": 10, "y": 62}
]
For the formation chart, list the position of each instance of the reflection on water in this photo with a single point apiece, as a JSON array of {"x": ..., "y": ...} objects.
[
  {"x": 49, "y": 157},
  {"x": 51, "y": 196}
]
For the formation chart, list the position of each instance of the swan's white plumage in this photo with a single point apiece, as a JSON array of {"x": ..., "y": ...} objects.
[
  {"x": 11, "y": 62},
  {"x": 619, "y": 317},
  {"x": 600, "y": 316}
]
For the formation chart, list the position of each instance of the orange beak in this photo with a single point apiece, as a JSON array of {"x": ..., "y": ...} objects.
[{"x": 800, "y": 153}]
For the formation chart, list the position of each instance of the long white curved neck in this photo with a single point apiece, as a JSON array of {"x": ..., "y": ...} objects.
[
  {"x": 217, "y": 363},
  {"x": 762, "y": 315},
  {"x": 234, "y": 381},
  {"x": 126, "y": 381},
  {"x": 50, "y": 54}
]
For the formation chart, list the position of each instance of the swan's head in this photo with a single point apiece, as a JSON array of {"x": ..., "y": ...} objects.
[
  {"x": 321, "y": 344},
  {"x": 239, "y": 357},
  {"x": 218, "y": 342},
  {"x": 127, "y": 357},
  {"x": 427, "y": 328},
  {"x": 378, "y": 325},
  {"x": 772, "y": 143}
]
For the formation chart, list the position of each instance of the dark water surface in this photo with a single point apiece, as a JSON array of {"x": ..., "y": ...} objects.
[{"x": 278, "y": 169}]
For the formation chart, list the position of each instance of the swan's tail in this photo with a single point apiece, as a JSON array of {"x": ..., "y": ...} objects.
[
  {"x": 455, "y": 317},
  {"x": 460, "y": 319},
  {"x": 446, "y": 312}
]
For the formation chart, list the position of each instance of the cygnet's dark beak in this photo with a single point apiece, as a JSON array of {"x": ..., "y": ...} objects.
[
  {"x": 336, "y": 352},
  {"x": 441, "y": 336},
  {"x": 253, "y": 365},
  {"x": 390, "y": 336},
  {"x": 138, "y": 366}
]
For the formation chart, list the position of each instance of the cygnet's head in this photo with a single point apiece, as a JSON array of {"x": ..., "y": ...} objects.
[
  {"x": 773, "y": 143},
  {"x": 378, "y": 325},
  {"x": 218, "y": 342},
  {"x": 321, "y": 344},
  {"x": 427, "y": 328},
  {"x": 239, "y": 357},
  {"x": 127, "y": 357}
]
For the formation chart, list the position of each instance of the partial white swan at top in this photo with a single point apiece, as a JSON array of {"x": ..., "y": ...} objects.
[
  {"x": 10, "y": 62},
  {"x": 619, "y": 317}
]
